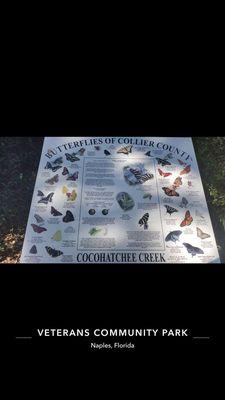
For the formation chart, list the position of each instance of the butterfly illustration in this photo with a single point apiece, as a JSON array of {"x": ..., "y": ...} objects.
[
  {"x": 170, "y": 192},
  {"x": 186, "y": 170},
  {"x": 81, "y": 152},
  {"x": 55, "y": 212},
  {"x": 46, "y": 199},
  {"x": 193, "y": 250},
  {"x": 189, "y": 183},
  {"x": 58, "y": 161},
  {"x": 170, "y": 210},
  {"x": 71, "y": 196},
  {"x": 177, "y": 182},
  {"x": 146, "y": 177},
  {"x": 73, "y": 177},
  {"x": 181, "y": 162},
  {"x": 52, "y": 252},
  {"x": 187, "y": 220},
  {"x": 65, "y": 171},
  {"x": 141, "y": 178},
  {"x": 162, "y": 162},
  {"x": 148, "y": 154},
  {"x": 65, "y": 189},
  {"x": 38, "y": 229},
  {"x": 38, "y": 218},
  {"x": 33, "y": 249},
  {"x": 201, "y": 234},
  {"x": 169, "y": 155},
  {"x": 72, "y": 157},
  {"x": 40, "y": 193},
  {"x": 57, "y": 236},
  {"x": 164, "y": 174},
  {"x": 68, "y": 217},
  {"x": 184, "y": 202},
  {"x": 97, "y": 148},
  {"x": 144, "y": 221},
  {"x": 49, "y": 166},
  {"x": 147, "y": 196},
  {"x": 52, "y": 180},
  {"x": 173, "y": 236},
  {"x": 107, "y": 153},
  {"x": 125, "y": 150}
]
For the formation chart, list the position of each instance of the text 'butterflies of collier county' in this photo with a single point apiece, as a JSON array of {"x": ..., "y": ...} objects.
[
  {"x": 164, "y": 174},
  {"x": 163, "y": 162},
  {"x": 184, "y": 202},
  {"x": 72, "y": 157},
  {"x": 52, "y": 180},
  {"x": 46, "y": 199},
  {"x": 201, "y": 234},
  {"x": 170, "y": 192},
  {"x": 144, "y": 221},
  {"x": 38, "y": 229},
  {"x": 52, "y": 167},
  {"x": 173, "y": 236},
  {"x": 186, "y": 170},
  {"x": 55, "y": 212},
  {"x": 187, "y": 220},
  {"x": 193, "y": 250},
  {"x": 170, "y": 210},
  {"x": 68, "y": 217},
  {"x": 125, "y": 150},
  {"x": 52, "y": 252}
]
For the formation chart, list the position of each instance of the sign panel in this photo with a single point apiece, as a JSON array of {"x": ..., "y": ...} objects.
[{"x": 119, "y": 200}]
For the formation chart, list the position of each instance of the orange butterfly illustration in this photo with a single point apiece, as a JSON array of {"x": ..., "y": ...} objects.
[
  {"x": 164, "y": 174},
  {"x": 186, "y": 170},
  {"x": 187, "y": 220},
  {"x": 177, "y": 182},
  {"x": 170, "y": 192}
]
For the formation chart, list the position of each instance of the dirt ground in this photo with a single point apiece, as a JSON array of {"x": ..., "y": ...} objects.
[{"x": 19, "y": 160}]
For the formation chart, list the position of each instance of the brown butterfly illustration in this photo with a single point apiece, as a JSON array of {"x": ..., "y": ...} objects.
[
  {"x": 202, "y": 234},
  {"x": 164, "y": 174},
  {"x": 38, "y": 229},
  {"x": 187, "y": 220},
  {"x": 186, "y": 170},
  {"x": 170, "y": 192},
  {"x": 177, "y": 182},
  {"x": 53, "y": 180},
  {"x": 125, "y": 150}
]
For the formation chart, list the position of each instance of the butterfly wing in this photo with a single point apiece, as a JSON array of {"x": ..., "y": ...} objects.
[{"x": 40, "y": 193}]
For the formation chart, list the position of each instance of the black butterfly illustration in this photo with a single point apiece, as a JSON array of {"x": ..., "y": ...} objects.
[
  {"x": 40, "y": 193},
  {"x": 55, "y": 212},
  {"x": 33, "y": 249},
  {"x": 72, "y": 157},
  {"x": 52, "y": 180},
  {"x": 52, "y": 252},
  {"x": 46, "y": 199},
  {"x": 170, "y": 210},
  {"x": 144, "y": 221},
  {"x": 162, "y": 162},
  {"x": 148, "y": 154},
  {"x": 68, "y": 217},
  {"x": 65, "y": 171},
  {"x": 73, "y": 177},
  {"x": 107, "y": 153},
  {"x": 193, "y": 250},
  {"x": 53, "y": 168}
]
